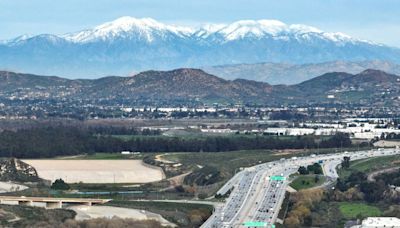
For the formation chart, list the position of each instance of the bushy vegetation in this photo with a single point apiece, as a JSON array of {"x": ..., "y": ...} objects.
[
  {"x": 391, "y": 178},
  {"x": 40, "y": 217},
  {"x": 58, "y": 141},
  {"x": 182, "y": 214},
  {"x": 33, "y": 216},
  {"x": 301, "y": 204},
  {"x": 59, "y": 184},
  {"x": 314, "y": 168},
  {"x": 204, "y": 176},
  {"x": 15, "y": 170},
  {"x": 354, "y": 196},
  {"x": 370, "y": 191},
  {"x": 110, "y": 223}
]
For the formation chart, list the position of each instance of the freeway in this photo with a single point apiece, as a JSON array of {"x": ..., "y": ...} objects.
[{"x": 258, "y": 191}]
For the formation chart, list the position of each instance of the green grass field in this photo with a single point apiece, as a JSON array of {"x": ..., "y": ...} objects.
[
  {"x": 306, "y": 181},
  {"x": 352, "y": 210},
  {"x": 370, "y": 164},
  {"x": 230, "y": 162}
]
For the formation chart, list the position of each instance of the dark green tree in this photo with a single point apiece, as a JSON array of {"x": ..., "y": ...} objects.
[
  {"x": 346, "y": 162},
  {"x": 303, "y": 171},
  {"x": 59, "y": 184}
]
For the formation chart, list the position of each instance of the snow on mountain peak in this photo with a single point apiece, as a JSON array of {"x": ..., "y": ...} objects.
[
  {"x": 277, "y": 30},
  {"x": 149, "y": 30},
  {"x": 17, "y": 39},
  {"x": 240, "y": 29},
  {"x": 207, "y": 29},
  {"x": 126, "y": 24},
  {"x": 298, "y": 28},
  {"x": 145, "y": 28}
]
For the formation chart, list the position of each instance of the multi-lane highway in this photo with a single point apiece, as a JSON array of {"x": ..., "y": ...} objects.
[{"x": 258, "y": 191}]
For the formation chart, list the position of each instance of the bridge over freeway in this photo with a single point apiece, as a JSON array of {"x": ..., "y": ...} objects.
[{"x": 51, "y": 202}]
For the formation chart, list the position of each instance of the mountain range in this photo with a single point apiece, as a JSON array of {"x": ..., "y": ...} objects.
[
  {"x": 289, "y": 74},
  {"x": 371, "y": 88},
  {"x": 129, "y": 45}
]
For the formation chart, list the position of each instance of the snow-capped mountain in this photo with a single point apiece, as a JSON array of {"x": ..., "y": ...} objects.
[
  {"x": 146, "y": 29},
  {"x": 128, "y": 45}
]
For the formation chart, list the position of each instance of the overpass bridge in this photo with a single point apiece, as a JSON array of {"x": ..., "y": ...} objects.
[{"x": 50, "y": 202}]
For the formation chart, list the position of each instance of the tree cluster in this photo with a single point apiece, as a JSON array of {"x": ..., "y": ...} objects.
[
  {"x": 372, "y": 192},
  {"x": 66, "y": 141},
  {"x": 314, "y": 168},
  {"x": 300, "y": 207}
]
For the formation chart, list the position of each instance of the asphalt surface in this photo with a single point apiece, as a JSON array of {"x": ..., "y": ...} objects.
[{"x": 256, "y": 198}]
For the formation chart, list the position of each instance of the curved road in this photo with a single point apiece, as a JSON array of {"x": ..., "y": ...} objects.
[{"x": 257, "y": 196}]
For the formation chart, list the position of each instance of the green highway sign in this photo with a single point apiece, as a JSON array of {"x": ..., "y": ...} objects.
[
  {"x": 258, "y": 224},
  {"x": 255, "y": 224},
  {"x": 278, "y": 178}
]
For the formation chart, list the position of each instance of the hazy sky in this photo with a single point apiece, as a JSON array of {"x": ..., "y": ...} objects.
[{"x": 377, "y": 20}]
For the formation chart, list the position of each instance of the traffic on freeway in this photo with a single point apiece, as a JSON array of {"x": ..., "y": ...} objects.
[{"x": 258, "y": 192}]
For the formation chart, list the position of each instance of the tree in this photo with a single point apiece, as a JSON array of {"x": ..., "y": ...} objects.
[
  {"x": 346, "y": 162},
  {"x": 315, "y": 168},
  {"x": 373, "y": 191},
  {"x": 316, "y": 178},
  {"x": 59, "y": 184},
  {"x": 356, "y": 178},
  {"x": 340, "y": 185},
  {"x": 339, "y": 140},
  {"x": 303, "y": 171}
]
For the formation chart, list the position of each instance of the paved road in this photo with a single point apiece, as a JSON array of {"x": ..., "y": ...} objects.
[
  {"x": 258, "y": 198},
  {"x": 215, "y": 204}
]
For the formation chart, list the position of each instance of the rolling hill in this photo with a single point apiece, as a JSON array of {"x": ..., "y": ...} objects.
[
  {"x": 290, "y": 74},
  {"x": 194, "y": 86}
]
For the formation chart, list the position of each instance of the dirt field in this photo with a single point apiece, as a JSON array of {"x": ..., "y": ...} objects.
[
  {"x": 386, "y": 143},
  {"x": 97, "y": 171},
  {"x": 87, "y": 212},
  {"x": 11, "y": 187}
]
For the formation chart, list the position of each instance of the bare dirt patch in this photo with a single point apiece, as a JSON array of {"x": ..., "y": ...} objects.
[
  {"x": 386, "y": 143},
  {"x": 396, "y": 162},
  {"x": 91, "y": 212},
  {"x": 287, "y": 152},
  {"x": 160, "y": 158},
  {"x": 97, "y": 171},
  {"x": 11, "y": 187}
]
